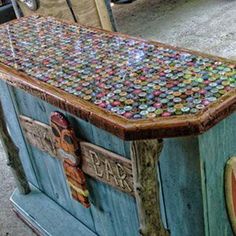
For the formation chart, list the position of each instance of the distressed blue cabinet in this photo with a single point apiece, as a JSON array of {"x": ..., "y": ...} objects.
[
  {"x": 112, "y": 212},
  {"x": 173, "y": 129}
]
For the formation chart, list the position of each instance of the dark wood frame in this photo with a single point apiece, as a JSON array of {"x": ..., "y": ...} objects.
[{"x": 160, "y": 127}]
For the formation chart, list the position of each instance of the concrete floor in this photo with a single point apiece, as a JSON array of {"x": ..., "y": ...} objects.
[{"x": 204, "y": 25}]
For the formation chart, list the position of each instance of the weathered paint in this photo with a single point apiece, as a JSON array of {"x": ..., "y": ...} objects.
[
  {"x": 50, "y": 222},
  {"x": 97, "y": 162},
  {"x": 216, "y": 147},
  {"x": 181, "y": 183},
  {"x": 191, "y": 175},
  {"x": 110, "y": 209},
  {"x": 13, "y": 157},
  {"x": 145, "y": 156},
  {"x": 10, "y": 111}
]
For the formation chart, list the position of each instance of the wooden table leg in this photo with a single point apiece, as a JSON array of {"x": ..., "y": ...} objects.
[
  {"x": 13, "y": 158},
  {"x": 145, "y": 155}
]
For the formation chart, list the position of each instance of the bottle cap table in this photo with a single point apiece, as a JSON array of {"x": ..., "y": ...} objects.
[
  {"x": 133, "y": 88},
  {"x": 137, "y": 90}
]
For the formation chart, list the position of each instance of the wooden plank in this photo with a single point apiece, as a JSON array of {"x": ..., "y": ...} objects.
[
  {"x": 38, "y": 161},
  {"x": 121, "y": 207},
  {"x": 103, "y": 15},
  {"x": 145, "y": 155},
  {"x": 180, "y": 175},
  {"x": 86, "y": 12},
  {"x": 107, "y": 167},
  {"x": 39, "y": 134},
  {"x": 49, "y": 170},
  {"x": 101, "y": 211},
  {"x": 97, "y": 162},
  {"x": 216, "y": 147},
  {"x": 93, "y": 13},
  {"x": 47, "y": 216}
]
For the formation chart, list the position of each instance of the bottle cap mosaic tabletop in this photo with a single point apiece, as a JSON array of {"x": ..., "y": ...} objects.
[{"x": 131, "y": 87}]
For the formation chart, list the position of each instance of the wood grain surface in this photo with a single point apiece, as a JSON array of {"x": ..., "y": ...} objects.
[
  {"x": 107, "y": 215},
  {"x": 145, "y": 156},
  {"x": 180, "y": 176},
  {"x": 216, "y": 147}
]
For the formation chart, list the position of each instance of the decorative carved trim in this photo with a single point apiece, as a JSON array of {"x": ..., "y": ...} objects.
[
  {"x": 145, "y": 155},
  {"x": 65, "y": 139},
  {"x": 12, "y": 152},
  {"x": 39, "y": 135},
  {"x": 107, "y": 167},
  {"x": 99, "y": 163}
]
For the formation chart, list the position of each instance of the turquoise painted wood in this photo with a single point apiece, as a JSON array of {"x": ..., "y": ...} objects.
[
  {"x": 111, "y": 209},
  {"x": 49, "y": 223},
  {"x": 16, "y": 132},
  {"x": 191, "y": 171},
  {"x": 216, "y": 147}
]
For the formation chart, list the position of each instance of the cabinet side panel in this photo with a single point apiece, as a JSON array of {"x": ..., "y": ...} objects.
[
  {"x": 181, "y": 183},
  {"x": 16, "y": 132},
  {"x": 216, "y": 147},
  {"x": 49, "y": 170},
  {"x": 112, "y": 212}
]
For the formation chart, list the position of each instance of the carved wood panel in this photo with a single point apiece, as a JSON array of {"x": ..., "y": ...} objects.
[{"x": 98, "y": 162}]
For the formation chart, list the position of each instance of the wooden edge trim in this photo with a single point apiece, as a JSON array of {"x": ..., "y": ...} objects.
[{"x": 117, "y": 125}]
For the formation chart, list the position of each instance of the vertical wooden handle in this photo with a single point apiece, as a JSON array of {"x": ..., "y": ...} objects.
[{"x": 145, "y": 155}]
